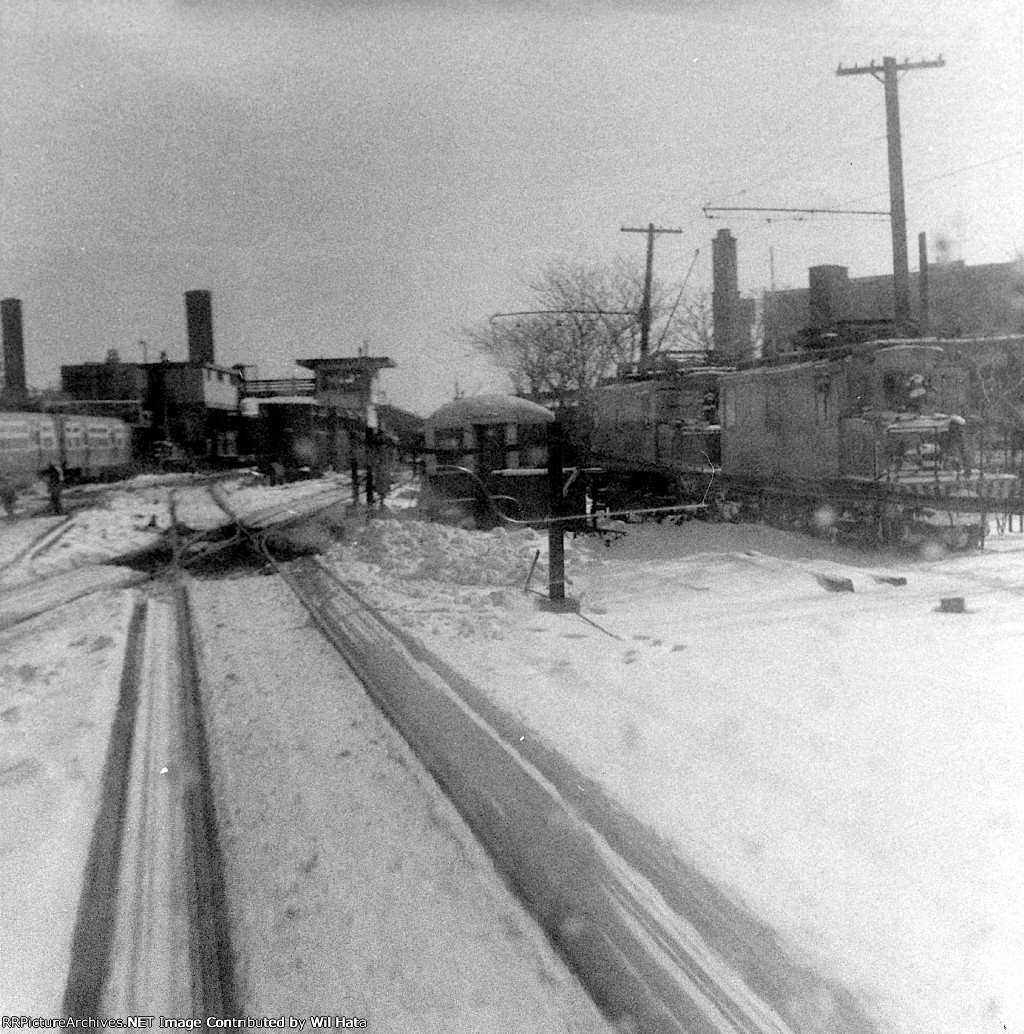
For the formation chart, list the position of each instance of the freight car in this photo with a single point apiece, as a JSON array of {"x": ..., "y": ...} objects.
[
  {"x": 883, "y": 442},
  {"x": 886, "y": 440},
  {"x": 652, "y": 438},
  {"x": 85, "y": 448}
]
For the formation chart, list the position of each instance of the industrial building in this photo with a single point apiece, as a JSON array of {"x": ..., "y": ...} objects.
[
  {"x": 193, "y": 404},
  {"x": 950, "y": 300}
]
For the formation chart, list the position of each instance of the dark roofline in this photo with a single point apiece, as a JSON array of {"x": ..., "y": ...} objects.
[{"x": 376, "y": 362}]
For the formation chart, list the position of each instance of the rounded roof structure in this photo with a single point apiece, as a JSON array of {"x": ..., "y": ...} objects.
[{"x": 490, "y": 409}]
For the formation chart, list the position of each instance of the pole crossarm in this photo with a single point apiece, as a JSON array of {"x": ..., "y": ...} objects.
[
  {"x": 648, "y": 229},
  {"x": 906, "y": 65}
]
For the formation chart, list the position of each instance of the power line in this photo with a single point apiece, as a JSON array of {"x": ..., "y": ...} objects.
[
  {"x": 803, "y": 211},
  {"x": 645, "y": 305},
  {"x": 944, "y": 175},
  {"x": 562, "y": 312},
  {"x": 778, "y": 168},
  {"x": 686, "y": 280}
]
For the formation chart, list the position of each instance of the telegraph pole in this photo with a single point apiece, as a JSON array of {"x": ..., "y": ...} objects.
[
  {"x": 645, "y": 305},
  {"x": 889, "y": 78}
]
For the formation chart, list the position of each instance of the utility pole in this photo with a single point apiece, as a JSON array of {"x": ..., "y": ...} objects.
[
  {"x": 889, "y": 78},
  {"x": 645, "y": 305}
]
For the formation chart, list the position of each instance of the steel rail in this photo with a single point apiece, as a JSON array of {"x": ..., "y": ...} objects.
[
  {"x": 38, "y": 544},
  {"x": 152, "y": 933}
]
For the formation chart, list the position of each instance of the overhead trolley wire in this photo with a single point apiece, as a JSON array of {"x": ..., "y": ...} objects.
[{"x": 942, "y": 175}]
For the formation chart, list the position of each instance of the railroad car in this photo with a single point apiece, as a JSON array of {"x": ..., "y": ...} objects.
[
  {"x": 885, "y": 439},
  {"x": 653, "y": 439},
  {"x": 880, "y": 441},
  {"x": 486, "y": 456},
  {"x": 86, "y": 448}
]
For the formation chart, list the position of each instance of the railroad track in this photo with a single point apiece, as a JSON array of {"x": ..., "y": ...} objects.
[
  {"x": 37, "y": 545},
  {"x": 671, "y": 955},
  {"x": 151, "y": 932}
]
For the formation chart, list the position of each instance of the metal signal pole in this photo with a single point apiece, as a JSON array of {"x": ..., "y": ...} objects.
[
  {"x": 889, "y": 77},
  {"x": 645, "y": 305}
]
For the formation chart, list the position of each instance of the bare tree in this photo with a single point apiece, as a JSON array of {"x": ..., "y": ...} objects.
[{"x": 583, "y": 322}]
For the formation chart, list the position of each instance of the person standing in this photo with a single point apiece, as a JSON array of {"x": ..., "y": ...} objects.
[
  {"x": 55, "y": 486},
  {"x": 8, "y": 495}
]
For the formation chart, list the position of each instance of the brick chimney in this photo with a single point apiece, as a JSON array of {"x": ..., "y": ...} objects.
[
  {"x": 199, "y": 313},
  {"x": 14, "y": 349},
  {"x": 725, "y": 300}
]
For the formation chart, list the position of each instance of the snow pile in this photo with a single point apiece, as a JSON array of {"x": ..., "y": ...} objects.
[
  {"x": 439, "y": 579},
  {"x": 252, "y": 497},
  {"x": 424, "y": 550}
]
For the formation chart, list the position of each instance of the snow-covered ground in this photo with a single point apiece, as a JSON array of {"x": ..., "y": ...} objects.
[
  {"x": 352, "y": 885},
  {"x": 121, "y": 522},
  {"x": 845, "y": 764},
  {"x": 59, "y": 678}
]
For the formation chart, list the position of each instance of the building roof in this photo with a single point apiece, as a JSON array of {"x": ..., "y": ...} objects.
[
  {"x": 490, "y": 409},
  {"x": 362, "y": 362}
]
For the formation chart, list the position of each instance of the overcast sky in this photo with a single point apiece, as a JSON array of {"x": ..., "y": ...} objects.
[{"x": 336, "y": 172}]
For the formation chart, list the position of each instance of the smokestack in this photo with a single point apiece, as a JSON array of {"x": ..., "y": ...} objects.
[
  {"x": 829, "y": 296},
  {"x": 725, "y": 296},
  {"x": 14, "y": 348},
  {"x": 922, "y": 283},
  {"x": 199, "y": 312}
]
